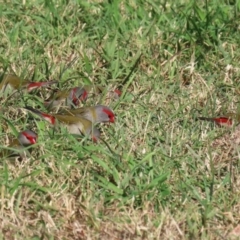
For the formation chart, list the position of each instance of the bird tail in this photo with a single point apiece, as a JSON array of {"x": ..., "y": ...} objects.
[
  {"x": 33, "y": 110},
  {"x": 221, "y": 121},
  {"x": 35, "y": 85},
  {"x": 48, "y": 117}
]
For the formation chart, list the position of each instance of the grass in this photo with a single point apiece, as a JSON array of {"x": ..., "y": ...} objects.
[{"x": 156, "y": 177}]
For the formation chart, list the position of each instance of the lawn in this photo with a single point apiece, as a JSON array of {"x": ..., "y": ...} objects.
[{"x": 155, "y": 173}]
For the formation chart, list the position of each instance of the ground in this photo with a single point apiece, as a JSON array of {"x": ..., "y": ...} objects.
[{"x": 158, "y": 172}]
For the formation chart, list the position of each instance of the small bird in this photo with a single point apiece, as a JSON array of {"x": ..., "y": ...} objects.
[
  {"x": 13, "y": 83},
  {"x": 95, "y": 114},
  {"x": 220, "y": 121},
  {"x": 74, "y": 125},
  {"x": 25, "y": 139},
  {"x": 68, "y": 97}
]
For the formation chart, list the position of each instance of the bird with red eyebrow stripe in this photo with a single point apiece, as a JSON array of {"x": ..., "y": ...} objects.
[
  {"x": 74, "y": 125},
  {"x": 12, "y": 83},
  {"x": 95, "y": 114},
  {"x": 67, "y": 97},
  {"x": 25, "y": 139}
]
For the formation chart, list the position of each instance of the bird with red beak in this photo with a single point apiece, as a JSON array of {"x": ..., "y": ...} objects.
[
  {"x": 75, "y": 125},
  {"x": 24, "y": 139},
  {"x": 11, "y": 83},
  {"x": 95, "y": 114},
  {"x": 68, "y": 97}
]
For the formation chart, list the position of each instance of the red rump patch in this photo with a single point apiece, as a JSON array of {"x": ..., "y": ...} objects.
[
  {"x": 223, "y": 121},
  {"x": 51, "y": 119},
  {"x": 110, "y": 115},
  {"x": 34, "y": 85}
]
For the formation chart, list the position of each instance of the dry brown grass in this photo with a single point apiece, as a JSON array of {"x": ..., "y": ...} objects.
[{"x": 163, "y": 175}]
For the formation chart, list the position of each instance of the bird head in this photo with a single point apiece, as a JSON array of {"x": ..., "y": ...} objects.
[
  {"x": 77, "y": 94},
  {"x": 105, "y": 114},
  {"x": 27, "y": 138}
]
